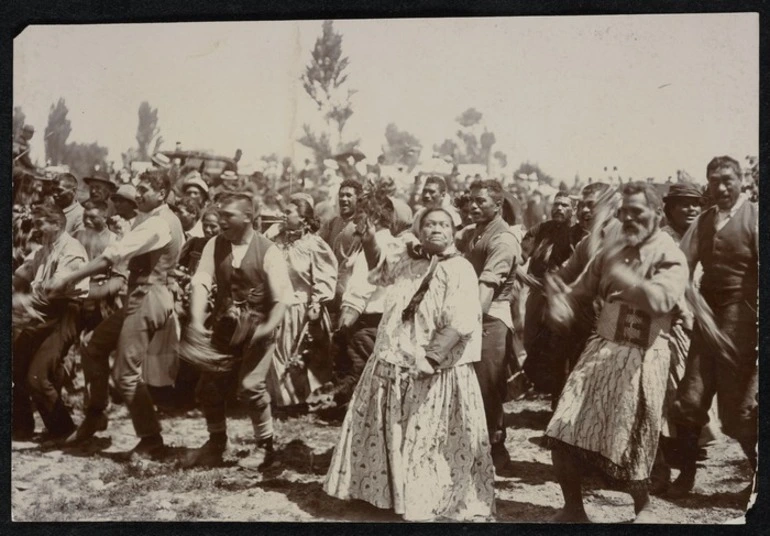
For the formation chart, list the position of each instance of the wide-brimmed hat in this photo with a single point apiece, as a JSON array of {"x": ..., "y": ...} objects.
[
  {"x": 194, "y": 179},
  {"x": 102, "y": 179},
  {"x": 161, "y": 160},
  {"x": 682, "y": 190},
  {"x": 127, "y": 192}
]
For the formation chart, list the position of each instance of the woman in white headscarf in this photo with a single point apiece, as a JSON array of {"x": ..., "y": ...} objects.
[{"x": 414, "y": 439}]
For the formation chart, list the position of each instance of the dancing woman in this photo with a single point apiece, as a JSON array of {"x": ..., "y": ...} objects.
[{"x": 301, "y": 363}]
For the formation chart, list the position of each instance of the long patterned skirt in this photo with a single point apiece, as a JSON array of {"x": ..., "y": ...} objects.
[
  {"x": 418, "y": 447},
  {"x": 291, "y": 385},
  {"x": 610, "y": 411}
]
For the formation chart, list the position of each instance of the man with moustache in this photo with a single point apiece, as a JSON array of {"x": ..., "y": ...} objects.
[
  {"x": 151, "y": 250},
  {"x": 494, "y": 252},
  {"x": 101, "y": 188},
  {"x": 340, "y": 234},
  {"x": 609, "y": 414},
  {"x": 252, "y": 281},
  {"x": 548, "y": 245},
  {"x": 39, "y": 349},
  {"x": 65, "y": 196},
  {"x": 725, "y": 241}
]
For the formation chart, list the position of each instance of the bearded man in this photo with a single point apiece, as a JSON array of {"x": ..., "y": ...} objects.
[
  {"x": 602, "y": 418},
  {"x": 549, "y": 245},
  {"x": 65, "y": 196}
]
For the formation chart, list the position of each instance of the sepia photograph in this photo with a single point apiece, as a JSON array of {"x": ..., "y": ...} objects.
[{"x": 482, "y": 269}]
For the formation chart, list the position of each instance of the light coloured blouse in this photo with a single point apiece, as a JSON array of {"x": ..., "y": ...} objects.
[
  {"x": 451, "y": 301},
  {"x": 312, "y": 268}
]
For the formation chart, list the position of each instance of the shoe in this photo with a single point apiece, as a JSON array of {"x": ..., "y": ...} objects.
[
  {"x": 94, "y": 422},
  {"x": 683, "y": 483},
  {"x": 261, "y": 457},
  {"x": 208, "y": 455},
  {"x": 149, "y": 448}
]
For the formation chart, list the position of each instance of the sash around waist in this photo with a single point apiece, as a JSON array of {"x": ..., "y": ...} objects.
[{"x": 625, "y": 324}]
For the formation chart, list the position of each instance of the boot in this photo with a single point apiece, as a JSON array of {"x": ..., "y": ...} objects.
[
  {"x": 94, "y": 422},
  {"x": 208, "y": 455},
  {"x": 149, "y": 448},
  {"x": 262, "y": 457},
  {"x": 688, "y": 448}
]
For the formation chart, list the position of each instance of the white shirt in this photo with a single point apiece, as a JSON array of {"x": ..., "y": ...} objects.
[
  {"x": 360, "y": 295},
  {"x": 149, "y": 233},
  {"x": 723, "y": 216},
  {"x": 65, "y": 256},
  {"x": 274, "y": 266}
]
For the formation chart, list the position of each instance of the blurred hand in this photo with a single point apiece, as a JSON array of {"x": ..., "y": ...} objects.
[
  {"x": 423, "y": 368},
  {"x": 560, "y": 311}
]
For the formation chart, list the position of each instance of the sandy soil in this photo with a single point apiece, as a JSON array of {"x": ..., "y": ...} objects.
[{"x": 96, "y": 483}]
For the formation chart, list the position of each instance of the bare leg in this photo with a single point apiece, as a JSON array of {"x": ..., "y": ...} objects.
[
  {"x": 642, "y": 507},
  {"x": 568, "y": 475}
]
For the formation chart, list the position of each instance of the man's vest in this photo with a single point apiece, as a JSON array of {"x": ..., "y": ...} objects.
[
  {"x": 246, "y": 285},
  {"x": 729, "y": 256},
  {"x": 152, "y": 268}
]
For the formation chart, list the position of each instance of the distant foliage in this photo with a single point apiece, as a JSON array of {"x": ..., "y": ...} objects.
[{"x": 56, "y": 133}]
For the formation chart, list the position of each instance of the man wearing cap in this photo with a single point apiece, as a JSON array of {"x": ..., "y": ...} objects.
[
  {"x": 725, "y": 240},
  {"x": 196, "y": 188},
  {"x": 152, "y": 250},
  {"x": 65, "y": 197},
  {"x": 101, "y": 188},
  {"x": 682, "y": 206}
]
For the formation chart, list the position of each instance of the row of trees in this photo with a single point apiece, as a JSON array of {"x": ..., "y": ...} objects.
[
  {"x": 325, "y": 80},
  {"x": 84, "y": 158}
]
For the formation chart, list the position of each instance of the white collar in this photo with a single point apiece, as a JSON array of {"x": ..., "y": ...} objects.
[{"x": 742, "y": 198}]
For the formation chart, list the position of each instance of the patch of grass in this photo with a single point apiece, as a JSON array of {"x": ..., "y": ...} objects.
[{"x": 197, "y": 510}]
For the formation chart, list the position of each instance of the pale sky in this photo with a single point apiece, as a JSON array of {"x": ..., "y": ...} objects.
[{"x": 646, "y": 93}]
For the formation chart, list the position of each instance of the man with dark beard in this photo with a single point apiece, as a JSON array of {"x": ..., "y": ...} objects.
[
  {"x": 549, "y": 245},
  {"x": 65, "y": 196},
  {"x": 725, "y": 240},
  {"x": 39, "y": 348},
  {"x": 609, "y": 414}
]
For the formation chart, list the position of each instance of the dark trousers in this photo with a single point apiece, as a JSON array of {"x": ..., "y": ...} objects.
[
  {"x": 735, "y": 384},
  {"x": 492, "y": 373},
  {"x": 353, "y": 351},
  {"x": 128, "y": 332},
  {"x": 250, "y": 377},
  {"x": 38, "y": 371}
]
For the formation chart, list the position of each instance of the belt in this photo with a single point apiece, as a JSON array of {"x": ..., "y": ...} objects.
[{"x": 625, "y": 324}]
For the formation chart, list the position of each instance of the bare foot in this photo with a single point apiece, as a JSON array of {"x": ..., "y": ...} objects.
[
  {"x": 567, "y": 516},
  {"x": 645, "y": 517}
]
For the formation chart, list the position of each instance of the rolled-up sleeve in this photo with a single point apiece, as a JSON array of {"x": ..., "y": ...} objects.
[
  {"x": 205, "y": 273},
  {"x": 324, "y": 271},
  {"x": 392, "y": 252},
  {"x": 503, "y": 255},
  {"x": 359, "y": 290},
  {"x": 278, "y": 276},
  {"x": 150, "y": 235}
]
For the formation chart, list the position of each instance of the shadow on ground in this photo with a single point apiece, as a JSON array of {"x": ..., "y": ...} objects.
[
  {"x": 527, "y": 418},
  {"x": 311, "y": 498}
]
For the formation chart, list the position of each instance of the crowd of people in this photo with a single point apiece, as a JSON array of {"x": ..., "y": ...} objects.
[{"x": 417, "y": 316}]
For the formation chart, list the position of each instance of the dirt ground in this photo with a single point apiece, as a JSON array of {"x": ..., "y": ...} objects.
[{"x": 96, "y": 483}]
